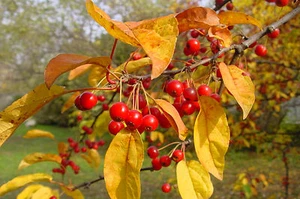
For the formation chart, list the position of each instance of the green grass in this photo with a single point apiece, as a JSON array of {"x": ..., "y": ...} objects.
[{"x": 16, "y": 148}]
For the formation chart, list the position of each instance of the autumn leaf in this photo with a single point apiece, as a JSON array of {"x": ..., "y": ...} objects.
[
  {"x": 231, "y": 18},
  {"x": 116, "y": 29},
  {"x": 101, "y": 124},
  {"x": 193, "y": 180},
  {"x": 21, "y": 181},
  {"x": 28, "y": 191},
  {"x": 163, "y": 32},
  {"x": 38, "y": 157},
  {"x": 223, "y": 34},
  {"x": 173, "y": 117},
  {"x": 35, "y": 133},
  {"x": 43, "y": 192},
  {"x": 70, "y": 102},
  {"x": 66, "y": 62},
  {"x": 26, "y": 106},
  {"x": 96, "y": 75},
  {"x": 76, "y": 72},
  {"x": 92, "y": 157},
  {"x": 211, "y": 136},
  {"x": 239, "y": 85},
  {"x": 76, "y": 194},
  {"x": 134, "y": 65},
  {"x": 122, "y": 165},
  {"x": 197, "y": 17}
]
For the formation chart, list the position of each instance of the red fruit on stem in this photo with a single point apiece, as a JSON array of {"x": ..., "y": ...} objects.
[
  {"x": 188, "y": 108},
  {"x": 152, "y": 152},
  {"x": 190, "y": 94},
  {"x": 150, "y": 123},
  {"x": 229, "y": 6},
  {"x": 166, "y": 188},
  {"x": 156, "y": 165},
  {"x": 165, "y": 160},
  {"x": 119, "y": 111},
  {"x": 163, "y": 121},
  {"x": 134, "y": 119},
  {"x": 270, "y": 1},
  {"x": 193, "y": 45},
  {"x": 177, "y": 155},
  {"x": 101, "y": 98},
  {"x": 274, "y": 33},
  {"x": 261, "y": 50},
  {"x": 115, "y": 127},
  {"x": 136, "y": 56},
  {"x": 53, "y": 197},
  {"x": 194, "y": 33},
  {"x": 281, "y": 3},
  {"x": 216, "y": 96},
  {"x": 174, "y": 88},
  {"x": 204, "y": 90},
  {"x": 88, "y": 100},
  {"x": 78, "y": 104}
]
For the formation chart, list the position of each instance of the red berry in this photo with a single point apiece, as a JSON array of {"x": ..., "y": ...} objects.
[
  {"x": 79, "y": 118},
  {"x": 204, "y": 90},
  {"x": 53, "y": 197},
  {"x": 187, "y": 108},
  {"x": 163, "y": 121},
  {"x": 190, "y": 94},
  {"x": 136, "y": 56},
  {"x": 216, "y": 96},
  {"x": 194, "y": 33},
  {"x": 115, "y": 127},
  {"x": 274, "y": 33},
  {"x": 187, "y": 51},
  {"x": 150, "y": 123},
  {"x": 165, "y": 160},
  {"x": 282, "y": 3},
  {"x": 174, "y": 88},
  {"x": 83, "y": 149},
  {"x": 105, "y": 107},
  {"x": 119, "y": 111},
  {"x": 219, "y": 2},
  {"x": 156, "y": 165},
  {"x": 170, "y": 66},
  {"x": 203, "y": 50},
  {"x": 166, "y": 188},
  {"x": 177, "y": 155},
  {"x": 261, "y": 50},
  {"x": 193, "y": 45},
  {"x": 88, "y": 100},
  {"x": 101, "y": 98},
  {"x": 152, "y": 152},
  {"x": 78, "y": 104},
  {"x": 101, "y": 143},
  {"x": 270, "y": 1},
  {"x": 134, "y": 119},
  {"x": 253, "y": 44},
  {"x": 146, "y": 83},
  {"x": 87, "y": 130},
  {"x": 229, "y": 6}
]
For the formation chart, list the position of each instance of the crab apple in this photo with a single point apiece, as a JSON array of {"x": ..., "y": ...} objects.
[
  {"x": 53, "y": 197},
  {"x": 156, "y": 165},
  {"x": 83, "y": 149},
  {"x": 174, "y": 88},
  {"x": 87, "y": 130},
  {"x": 270, "y": 1},
  {"x": 219, "y": 2},
  {"x": 194, "y": 33},
  {"x": 163, "y": 121},
  {"x": 134, "y": 119},
  {"x": 187, "y": 51},
  {"x": 119, "y": 111},
  {"x": 166, "y": 188},
  {"x": 146, "y": 83},
  {"x": 193, "y": 45},
  {"x": 229, "y": 6},
  {"x": 78, "y": 104},
  {"x": 165, "y": 160},
  {"x": 203, "y": 50},
  {"x": 281, "y": 3},
  {"x": 79, "y": 118},
  {"x": 136, "y": 56},
  {"x": 190, "y": 94},
  {"x": 150, "y": 122},
  {"x": 261, "y": 50},
  {"x": 187, "y": 107},
  {"x": 115, "y": 127},
  {"x": 88, "y": 100},
  {"x": 204, "y": 90},
  {"x": 152, "y": 152},
  {"x": 142, "y": 101},
  {"x": 177, "y": 155},
  {"x": 216, "y": 96},
  {"x": 274, "y": 33},
  {"x": 101, "y": 98},
  {"x": 105, "y": 107}
]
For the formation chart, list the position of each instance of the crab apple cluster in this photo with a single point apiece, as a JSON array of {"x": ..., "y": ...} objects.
[
  {"x": 121, "y": 115},
  {"x": 65, "y": 162},
  {"x": 164, "y": 160}
]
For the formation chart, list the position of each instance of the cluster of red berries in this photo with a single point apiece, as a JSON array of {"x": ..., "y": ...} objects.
[
  {"x": 279, "y": 3},
  {"x": 260, "y": 49},
  {"x": 134, "y": 119},
  {"x": 129, "y": 87},
  {"x": 89, "y": 144},
  {"x": 63, "y": 166},
  {"x": 164, "y": 160}
]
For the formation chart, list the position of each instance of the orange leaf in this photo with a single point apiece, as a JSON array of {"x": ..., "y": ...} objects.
[
  {"x": 65, "y": 62},
  {"x": 211, "y": 136},
  {"x": 122, "y": 165},
  {"x": 34, "y": 133},
  {"x": 223, "y": 34},
  {"x": 23, "y": 108},
  {"x": 231, "y": 18},
  {"x": 239, "y": 85},
  {"x": 160, "y": 48},
  {"x": 79, "y": 71},
  {"x": 116, "y": 29},
  {"x": 38, "y": 157},
  {"x": 197, "y": 17},
  {"x": 173, "y": 117},
  {"x": 70, "y": 102}
]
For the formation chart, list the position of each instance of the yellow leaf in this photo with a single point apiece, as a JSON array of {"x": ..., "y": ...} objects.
[
  {"x": 197, "y": 17},
  {"x": 154, "y": 135},
  {"x": 116, "y": 29},
  {"x": 23, "y": 108},
  {"x": 62, "y": 147},
  {"x": 66, "y": 62},
  {"x": 20, "y": 181},
  {"x": 28, "y": 191},
  {"x": 211, "y": 136},
  {"x": 34, "y": 133},
  {"x": 239, "y": 85},
  {"x": 193, "y": 180},
  {"x": 92, "y": 158},
  {"x": 76, "y": 72},
  {"x": 135, "y": 65},
  {"x": 231, "y": 18},
  {"x": 76, "y": 194},
  {"x": 38, "y": 157},
  {"x": 122, "y": 165},
  {"x": 42, "y": 193},
  {"x": 223, "y": 34},
  {"x": 70, "y": 102},
  {"x": 101, "y": 125},
  {"x": 160, "y": 48},
  {"x": 96, "y": 74},
  {"x": 173, "y": 117}
]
